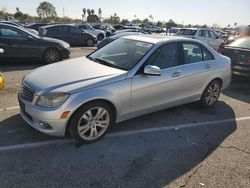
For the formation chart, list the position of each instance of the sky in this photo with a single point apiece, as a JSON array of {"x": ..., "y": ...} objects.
[{"x": 222, "y": 12}]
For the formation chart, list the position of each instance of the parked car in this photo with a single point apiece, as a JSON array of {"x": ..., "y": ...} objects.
[
  {"x": 36, "y": 26},
  {"x": 100, "y": 34},
  {"x": 205, "y": 35},
  {"x": 20, "y": 44},
  {"x": 103, "y": 28},
  {"x": 119, "y": 27},
  {"x": 68, "y": 33},
  {"x": 19, "y": 25},
  {"x": 114, "y": 37},
  {"x": 239, "y": 52},
  {"x": 132, "y": 76}
]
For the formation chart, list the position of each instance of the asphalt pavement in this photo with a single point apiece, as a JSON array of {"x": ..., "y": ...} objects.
[{"x": 185, "y": 146}]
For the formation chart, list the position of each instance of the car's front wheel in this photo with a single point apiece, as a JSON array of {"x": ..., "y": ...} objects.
[
  {"x": 91, "y": 122},
  {"x": 211, "y": 94},
  {"x": 51, "y": 56}
]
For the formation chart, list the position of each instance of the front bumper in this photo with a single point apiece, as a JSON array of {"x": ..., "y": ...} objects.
[{"x": 42, "y": 120}]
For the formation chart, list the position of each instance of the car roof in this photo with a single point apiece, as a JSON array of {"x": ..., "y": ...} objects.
[
  {"x": 154, "y": 39},
  {"x": 53, "y": 25}
]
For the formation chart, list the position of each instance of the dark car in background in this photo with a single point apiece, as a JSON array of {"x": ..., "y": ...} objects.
[
  {"x": 239, "y": 52},
  {"x": 36, "y": 26},
  {"x": 69, "y": 34},
  {"x": 114, "y": 37},
  {"x": 19, "y": 25},
  {"x": 20, "y": 44},
  {"x": 103, "y": 28}
]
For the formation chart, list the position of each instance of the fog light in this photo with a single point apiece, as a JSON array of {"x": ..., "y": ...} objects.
[{"x": 44, "y": 125}]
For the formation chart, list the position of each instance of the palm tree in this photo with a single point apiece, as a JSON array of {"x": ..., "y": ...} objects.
[
  {"x": 88, "y": 11},
  {"x": 84, "y": 13},
  {"x": 100, "y": 13},
  {"x": 92, "y": 11}
]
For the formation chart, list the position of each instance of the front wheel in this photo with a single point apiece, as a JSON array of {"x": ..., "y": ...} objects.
[
  {"x": 211, "y": 94},
  {"x": 91, "y": 122},
  {"x": 100, "y": 37}
]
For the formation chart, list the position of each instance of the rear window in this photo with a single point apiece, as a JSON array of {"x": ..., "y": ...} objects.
[
  {"x": 241, "y": 43},
  {"x": 187, "y": 32}
]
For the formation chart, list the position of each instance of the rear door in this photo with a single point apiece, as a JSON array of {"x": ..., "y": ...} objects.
[{"x": 198, "y": 64}]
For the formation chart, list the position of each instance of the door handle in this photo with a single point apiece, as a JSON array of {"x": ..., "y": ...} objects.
[
  {"x": 176, "y": 74},
  {"x": 208, "y": 66}
]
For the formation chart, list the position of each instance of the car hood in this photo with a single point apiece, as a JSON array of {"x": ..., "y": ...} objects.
[
  {"x": 62, "y": 43},
  {"x": 72, "y": 76}
]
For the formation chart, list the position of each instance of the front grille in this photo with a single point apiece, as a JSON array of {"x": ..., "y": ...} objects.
[{"x": 27, "y": 93}]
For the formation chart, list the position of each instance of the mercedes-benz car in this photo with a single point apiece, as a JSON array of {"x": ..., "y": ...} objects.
[{"x": 129, "y": 77}]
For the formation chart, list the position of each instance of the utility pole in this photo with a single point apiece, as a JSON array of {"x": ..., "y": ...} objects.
[{"x": 63, "y": 12}]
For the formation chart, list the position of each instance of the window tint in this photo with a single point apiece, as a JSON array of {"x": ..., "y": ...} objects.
[
  {"x": 196, "y": 53},
  {"x": 213, "y": 35},
  {"x": 192, "y": 53},
  {"x": 200, "y": 33},
  {"x": 187, "y": 32},
  {"x": 165, "y": 56},
  {"x": 63, "y": 30},
  {"x": 206, "y": 33},
  {"x": 75, "y": 31},
  {"x": 207, "y": 56},
  {"x": 10, "y": 33}
]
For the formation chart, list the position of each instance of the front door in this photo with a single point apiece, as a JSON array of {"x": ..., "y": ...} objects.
[{"x": 150, "y": 93}]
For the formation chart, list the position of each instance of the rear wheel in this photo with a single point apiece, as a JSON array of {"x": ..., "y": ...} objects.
[
  {"x": 51, "y": 56},
  {"x": 90, "y": 42},
  {"x": 100, "y": 37},
  {"x": 91, "y": 122},
  {"x": 211, "y": 94}
]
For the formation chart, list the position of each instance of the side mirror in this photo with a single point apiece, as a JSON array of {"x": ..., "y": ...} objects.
[
  {"x": 152, "y": 70},
  {"x": 1, "y": 51}
]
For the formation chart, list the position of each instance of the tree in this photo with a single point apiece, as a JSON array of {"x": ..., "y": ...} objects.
[
  {"x": 145, "y": 21},
  {"x": 124, "y": 21},
  {"x": 171, "y": 23},
  {"x": 100, "y": 13},
  {"x": 18, "y": 15},
  {"x": 46, "y": 10},
  {"x": 84, "y": 13},
  {"x": 93, "y": 18},
  {"x": 88, "y": 11},
  {"x": 159, "y": 24},
  {"x": 92, "y": 11},
  {"x": 115, "y": 19}
]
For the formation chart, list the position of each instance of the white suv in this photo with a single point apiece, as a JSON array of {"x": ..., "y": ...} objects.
[
  {"x": 205, "y": 35},
  {"x": 100, "y": 34}
]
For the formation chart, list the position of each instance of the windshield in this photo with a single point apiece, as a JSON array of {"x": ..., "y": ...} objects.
[
  {"x": 241, "y": 43},
  {"x": 186, "y": 32},
  {"x": 121, "y": 53}
]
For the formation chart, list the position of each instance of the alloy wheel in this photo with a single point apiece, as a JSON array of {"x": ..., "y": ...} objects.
[
  {"x": 212, "y": 94},
  {"x": 51, "y": 56},
  {"x": 93, "y": 123}
]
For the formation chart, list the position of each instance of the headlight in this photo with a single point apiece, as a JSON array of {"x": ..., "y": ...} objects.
[{"x": 52, "y": 100}]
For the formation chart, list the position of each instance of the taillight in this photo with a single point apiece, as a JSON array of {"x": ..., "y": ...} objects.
[{"x": 248, "y": 60}]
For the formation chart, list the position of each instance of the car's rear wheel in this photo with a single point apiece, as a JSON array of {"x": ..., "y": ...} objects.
[
  {"x": 51, "y": 55},
  {"x": 100, "y": 37},
  {"x": 91, "y": 122},
  {"x": 211, "y": 94},
  {"x": 90, "y": 42}
]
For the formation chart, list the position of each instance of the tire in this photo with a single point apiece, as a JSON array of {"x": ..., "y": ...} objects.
[
  {"x": 211, "y": 93},
  {"x": 100, "y": 37},
  {"x": 51, "y": 55},
  {"x": 85, "y": 124},
  {"x": 90, "y": 42}
]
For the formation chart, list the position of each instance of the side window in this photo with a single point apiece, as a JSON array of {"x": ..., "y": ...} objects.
[
  {"x": 75, "y": 31},
  {"x": 192, "y": 53},
  {"x": 10, "y": 33},
  {"x": 213, "y": 35},
  {"x": 165, "y": 56},
  {"x": 207, "y": 56},
  {"x": 206, "y": 34},
  {"x": 200, "y": 33}
]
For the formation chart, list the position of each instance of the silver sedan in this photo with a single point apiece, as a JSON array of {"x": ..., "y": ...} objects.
[{"x": 129, "y": 77}]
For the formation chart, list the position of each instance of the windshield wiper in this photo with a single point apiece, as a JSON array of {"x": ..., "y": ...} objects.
[{"x": 104, "y": 62}]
